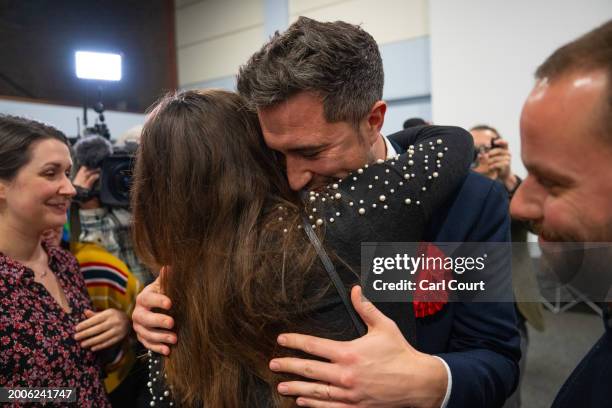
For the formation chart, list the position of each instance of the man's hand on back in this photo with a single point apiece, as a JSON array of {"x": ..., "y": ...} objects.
[
  {"x": 153, "y": 329},
  {"x": 380, "y": 369}
]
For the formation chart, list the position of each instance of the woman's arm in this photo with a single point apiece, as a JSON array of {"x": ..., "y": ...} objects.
[{"x": 392, "y": 200}]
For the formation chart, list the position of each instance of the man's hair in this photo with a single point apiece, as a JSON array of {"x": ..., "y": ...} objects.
[
  {"x": 338, "y": 61},
  {"x": 485, "y": 127},
  {"x": 592, "y": 51}
]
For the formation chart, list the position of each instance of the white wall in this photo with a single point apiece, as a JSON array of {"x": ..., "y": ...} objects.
[
  {"x": 386, "y": 20},
  {"x": 484, "y": 54},
  {"x": 401, "y": 29},
  {"x": 215, "y": 37},
  {"x": 64, "y": 117}
]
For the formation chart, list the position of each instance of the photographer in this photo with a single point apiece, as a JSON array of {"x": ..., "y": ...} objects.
[
  {"x": 492, "y": 159},
  {"x": 105, "y": 225},
  {"x": 113, "y": 274}
]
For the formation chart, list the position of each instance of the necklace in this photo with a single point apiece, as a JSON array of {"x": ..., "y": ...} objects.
[{"x": 43, "y": 274}]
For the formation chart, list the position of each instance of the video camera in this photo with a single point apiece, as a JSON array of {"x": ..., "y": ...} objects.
[
  {"x": 94, "y": 150},
  {"x": 116, "y": 180}
]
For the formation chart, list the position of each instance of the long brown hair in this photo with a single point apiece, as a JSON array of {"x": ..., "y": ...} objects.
[{"x": 212, "y": 201}]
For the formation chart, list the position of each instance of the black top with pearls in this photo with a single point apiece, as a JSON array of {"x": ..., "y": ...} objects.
[
  {"x": 159, "y": 392},
  {"x": 390, "y": 200}
]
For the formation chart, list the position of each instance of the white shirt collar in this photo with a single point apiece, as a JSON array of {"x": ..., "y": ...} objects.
[{"x": 391, "y": 153}]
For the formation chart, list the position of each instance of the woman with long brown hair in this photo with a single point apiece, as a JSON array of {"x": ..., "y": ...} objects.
[{"x": 211, "y": 200}]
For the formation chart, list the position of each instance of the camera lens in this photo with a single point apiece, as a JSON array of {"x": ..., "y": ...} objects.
[{"x": 116, "y": 180}]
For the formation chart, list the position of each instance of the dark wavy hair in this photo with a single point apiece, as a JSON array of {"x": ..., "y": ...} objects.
[
  {"x": 338, "y": 61},
  {"x": 17, "y": 134}
]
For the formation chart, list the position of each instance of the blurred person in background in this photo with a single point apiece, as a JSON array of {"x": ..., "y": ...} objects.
[
  {"x": 104, "y": 225},
  {"x": 492, "y": 158},
  {"x": 130, "y": 136},
  {"x": 408, "y": 123},
  {"x": 104, "y": 249}
]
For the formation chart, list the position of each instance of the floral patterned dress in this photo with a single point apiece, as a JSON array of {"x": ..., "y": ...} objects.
[{"x": 37, "y": 348}]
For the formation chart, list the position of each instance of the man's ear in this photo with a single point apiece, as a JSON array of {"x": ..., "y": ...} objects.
[
  {"x": 3, "y": 188},
  {"x": 376, "y": 117},
  {"x": 375, "y": 120}
]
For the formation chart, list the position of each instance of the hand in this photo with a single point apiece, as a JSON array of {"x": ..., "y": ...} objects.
[
  {"x": 484, "y": 168},
  {"x": 86, "y": 177},
  {"x": 499, "y": 159},
  {"x": 102, "y": 329},
  {"x": 147, "y": 324},
  {"x": 380, "y": 369}
]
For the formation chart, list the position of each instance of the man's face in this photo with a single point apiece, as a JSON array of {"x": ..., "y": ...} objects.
[
  {"x": 567, "y": 194},
  {"x": 482, "y": 144},
  {"x": 315, "y": 150}
]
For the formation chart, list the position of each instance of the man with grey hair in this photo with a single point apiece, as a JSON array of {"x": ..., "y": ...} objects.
[{"x": 317, "y": 89}]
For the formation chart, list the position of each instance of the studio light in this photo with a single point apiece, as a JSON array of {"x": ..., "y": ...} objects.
[{"x": 98, "y": 65}]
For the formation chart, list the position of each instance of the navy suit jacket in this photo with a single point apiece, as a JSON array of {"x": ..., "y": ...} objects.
[
  {"x": 589, "y": 384},
  {"x": 479, "y": 341}
]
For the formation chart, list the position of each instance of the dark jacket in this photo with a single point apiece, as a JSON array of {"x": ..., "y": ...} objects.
[
  {"x": 479, "y": 341},
  {"x": 589, "y": 384}
]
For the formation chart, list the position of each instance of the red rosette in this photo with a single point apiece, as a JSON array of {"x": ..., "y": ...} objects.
[{"x": 427, "y": 302}]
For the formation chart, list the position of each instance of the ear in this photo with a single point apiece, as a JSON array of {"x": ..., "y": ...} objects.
[
  {"x": 375, "y": 120},
  {"x": 3, "y": 189}
]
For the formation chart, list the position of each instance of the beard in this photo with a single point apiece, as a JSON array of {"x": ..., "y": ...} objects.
[
  {"x": 600, "y": 233},
  {"x": 552, "y": 236},
  {"x": 580, "y": 258}
]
